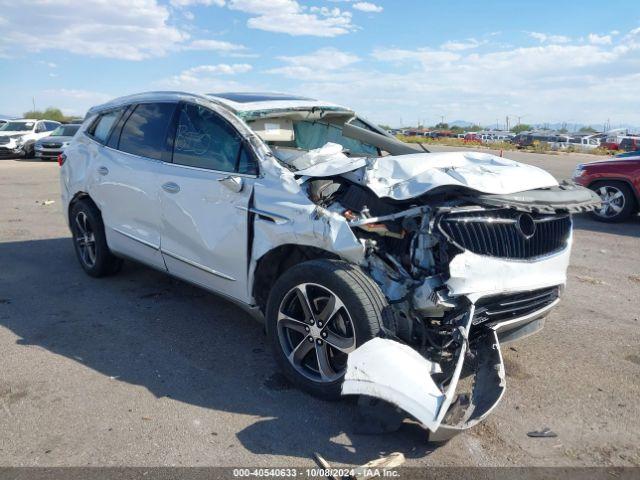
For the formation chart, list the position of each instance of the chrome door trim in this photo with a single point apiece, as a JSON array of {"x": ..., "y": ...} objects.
[
  {"x": 197, "y": 265},
  {"x": 209, "y": 170},
  {"x": 136, "y": 239}
]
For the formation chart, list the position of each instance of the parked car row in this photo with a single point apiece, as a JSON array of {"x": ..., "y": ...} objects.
[{"x": 30, "y": 137}]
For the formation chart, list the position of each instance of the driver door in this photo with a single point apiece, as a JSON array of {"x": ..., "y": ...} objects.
[{"x": 204, "y": 196}]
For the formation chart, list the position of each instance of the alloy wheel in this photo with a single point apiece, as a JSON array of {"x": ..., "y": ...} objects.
[
  {"x": 613, "y": 201},
  {"x": 315, "y": 332},
  {"x": 85, "y": 239}
]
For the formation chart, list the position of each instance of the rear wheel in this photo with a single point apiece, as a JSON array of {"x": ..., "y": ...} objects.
[
  {"x": 318, "y": 312},
  {"x": 618, "y": 201},
  {"x": 90, "y": 242}
]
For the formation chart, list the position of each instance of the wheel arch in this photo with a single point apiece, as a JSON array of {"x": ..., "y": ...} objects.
[
  {"x": 271, "y": 265},
  {"x": 624, "y": 180},
  {"x": 76, "y": 198}
]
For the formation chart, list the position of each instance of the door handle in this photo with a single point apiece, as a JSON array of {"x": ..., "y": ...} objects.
[
  {"x": 233, "y": 183},
  {"x": 103, "y": 170},
  {"x": 171, "y": 187}
]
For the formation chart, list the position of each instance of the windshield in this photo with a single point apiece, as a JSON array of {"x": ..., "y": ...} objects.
[
  {"x": 65, "y": 131},
  {"x": 17, "y": 126}
]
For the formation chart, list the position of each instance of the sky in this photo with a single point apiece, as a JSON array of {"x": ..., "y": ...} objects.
[{"x": 396, "y": 62}]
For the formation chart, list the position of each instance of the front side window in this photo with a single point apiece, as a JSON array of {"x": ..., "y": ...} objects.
[
  {"x": 205, "y": 140},
  {"x": 101, "y": 128},
  {"x": 144, "y": 133}
]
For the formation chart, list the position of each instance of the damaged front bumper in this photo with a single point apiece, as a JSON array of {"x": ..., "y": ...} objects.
[
  {"x": 507, "y": 300},
  {"x": 398, "y": 374}
]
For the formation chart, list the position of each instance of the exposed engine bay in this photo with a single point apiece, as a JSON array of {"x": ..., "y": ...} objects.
[{"x": 469, "y": 249}]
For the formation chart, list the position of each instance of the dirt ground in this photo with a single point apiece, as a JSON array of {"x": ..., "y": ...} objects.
[{"x": 140, "y": 369}]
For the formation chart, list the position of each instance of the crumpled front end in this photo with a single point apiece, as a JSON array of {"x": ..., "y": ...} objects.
[{"x": 461, "y": 273}]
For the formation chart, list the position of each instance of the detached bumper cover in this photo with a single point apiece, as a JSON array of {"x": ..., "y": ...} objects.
[{"x": 396, "y": 373}]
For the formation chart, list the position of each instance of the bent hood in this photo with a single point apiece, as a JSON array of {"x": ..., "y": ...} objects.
[{"x": 403, "y": 177}]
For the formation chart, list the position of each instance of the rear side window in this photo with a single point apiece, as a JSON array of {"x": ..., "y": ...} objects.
[
  {"x": 102, "y": 126},
  {"x": 144, "y": 132},
  {"x": 205, "y": 140}
]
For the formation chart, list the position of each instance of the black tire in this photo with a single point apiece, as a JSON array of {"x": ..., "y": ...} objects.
[
  {"x": 29, "y": 150},
  {"x": 626, "y": 203},
  {"x": 84, "y": 214},
  {"x": 365, "y": 307}
]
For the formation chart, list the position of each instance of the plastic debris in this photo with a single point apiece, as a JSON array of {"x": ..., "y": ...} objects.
[{"x": 544, "y": 433}]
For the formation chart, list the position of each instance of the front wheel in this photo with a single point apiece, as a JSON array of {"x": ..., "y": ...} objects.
[
  {"x": 317, "y": 313},
  {"x": 618, "y": 201}
]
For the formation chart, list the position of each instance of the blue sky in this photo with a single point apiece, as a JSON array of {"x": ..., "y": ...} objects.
[{"x": 393, "y": 61}]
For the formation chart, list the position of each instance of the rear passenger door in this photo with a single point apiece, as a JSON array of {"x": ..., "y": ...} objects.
[
  {"x": 126, "y": 179},
  {"x": 205, "y": 195}
]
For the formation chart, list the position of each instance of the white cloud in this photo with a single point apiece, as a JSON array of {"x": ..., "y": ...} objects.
[
  {"x": 206, "y": 78},
  {"x": 125, "y": 29},
  {"x": 596, "y": 39},
  {"x": 187, "y": 3},
  {"x": 288, "y": 16},
  {"x": 70, "y": 101},
  {"x": 549, "y": 82},
  {"x": 367, "y": 7},
  {"x": 122, "y": 29},
  {"x": 314, "y": 65},
  {"x": 457, "y": 46},
  {"x": 216, "y": 45},
  {"x": 546, "y": 38}
]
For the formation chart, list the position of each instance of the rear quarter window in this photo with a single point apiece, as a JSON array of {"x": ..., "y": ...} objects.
[
  {"x": 144, "y": 133},
  {"x": 102, "y": 126}
]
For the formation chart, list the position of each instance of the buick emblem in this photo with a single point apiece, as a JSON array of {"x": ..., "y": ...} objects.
[{"x": 526, "y": 225}]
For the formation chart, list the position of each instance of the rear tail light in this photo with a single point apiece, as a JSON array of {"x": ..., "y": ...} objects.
[{"x": 61, "y": 159}]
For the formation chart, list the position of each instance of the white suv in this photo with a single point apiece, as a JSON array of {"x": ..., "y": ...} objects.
[
  {"x": 18, "y": 137},
  {"x": 376, "y": 267}
]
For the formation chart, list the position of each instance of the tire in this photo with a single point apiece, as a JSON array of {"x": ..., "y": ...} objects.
[
  {"x": 87, "y": 231},
  {"x": 29, "y": 151},
  {"x": 357, "y": 317},
  {"x": 619, "y": 201}
]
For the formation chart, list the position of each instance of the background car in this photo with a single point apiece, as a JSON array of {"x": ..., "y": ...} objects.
[
  {"x": 49, "y": 147},
  {"x": 18, "y": 137},
  {"x": 617, "y": 182}
]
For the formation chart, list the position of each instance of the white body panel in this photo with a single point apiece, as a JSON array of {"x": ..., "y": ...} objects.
[
  {"x": 204, "y": 229},
  {"x": 125, "y": 188}
]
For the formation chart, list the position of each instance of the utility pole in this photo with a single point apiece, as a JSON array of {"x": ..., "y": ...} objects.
[
  {"x": 33, "y": 102},
  {"x": 507, "y": 122}
]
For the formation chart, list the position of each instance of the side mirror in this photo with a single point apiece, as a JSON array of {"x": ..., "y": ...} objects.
[{"x": 233, "y": 183}]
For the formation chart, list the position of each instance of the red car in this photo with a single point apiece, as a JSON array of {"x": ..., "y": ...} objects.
[{"x": 617, "y": 181}]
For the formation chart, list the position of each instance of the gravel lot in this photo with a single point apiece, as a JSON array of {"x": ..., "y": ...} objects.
[{"x": 141, "y": 369}]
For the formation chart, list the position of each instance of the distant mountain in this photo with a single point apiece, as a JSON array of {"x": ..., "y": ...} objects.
[
  {"x": 8, "y": 117},
  {"x": 460, "y": 123}
]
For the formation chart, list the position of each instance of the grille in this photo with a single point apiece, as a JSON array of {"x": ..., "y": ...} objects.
[
  {"x": 507, "y": 233},
  {"x": 4, "y": 140},
  {"x": 500, "y": 308},
  {"x": 52, "y": 145}
]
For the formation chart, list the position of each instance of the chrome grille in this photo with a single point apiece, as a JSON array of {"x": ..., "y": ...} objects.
[
  {"x": 501, "y": 308},
  {"x": 507, "y": 233}
]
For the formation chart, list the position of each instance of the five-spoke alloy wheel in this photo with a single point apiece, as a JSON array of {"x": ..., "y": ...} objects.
[
  {"x": 319, "y": 312},
  {"x": 315, "y": 332},
  {"x": 89, "y": 240},
  {"x": 618, "y": 201}
]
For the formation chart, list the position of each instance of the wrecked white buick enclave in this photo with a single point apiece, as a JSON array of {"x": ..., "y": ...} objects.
[{"x": 380, "y": 270}]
